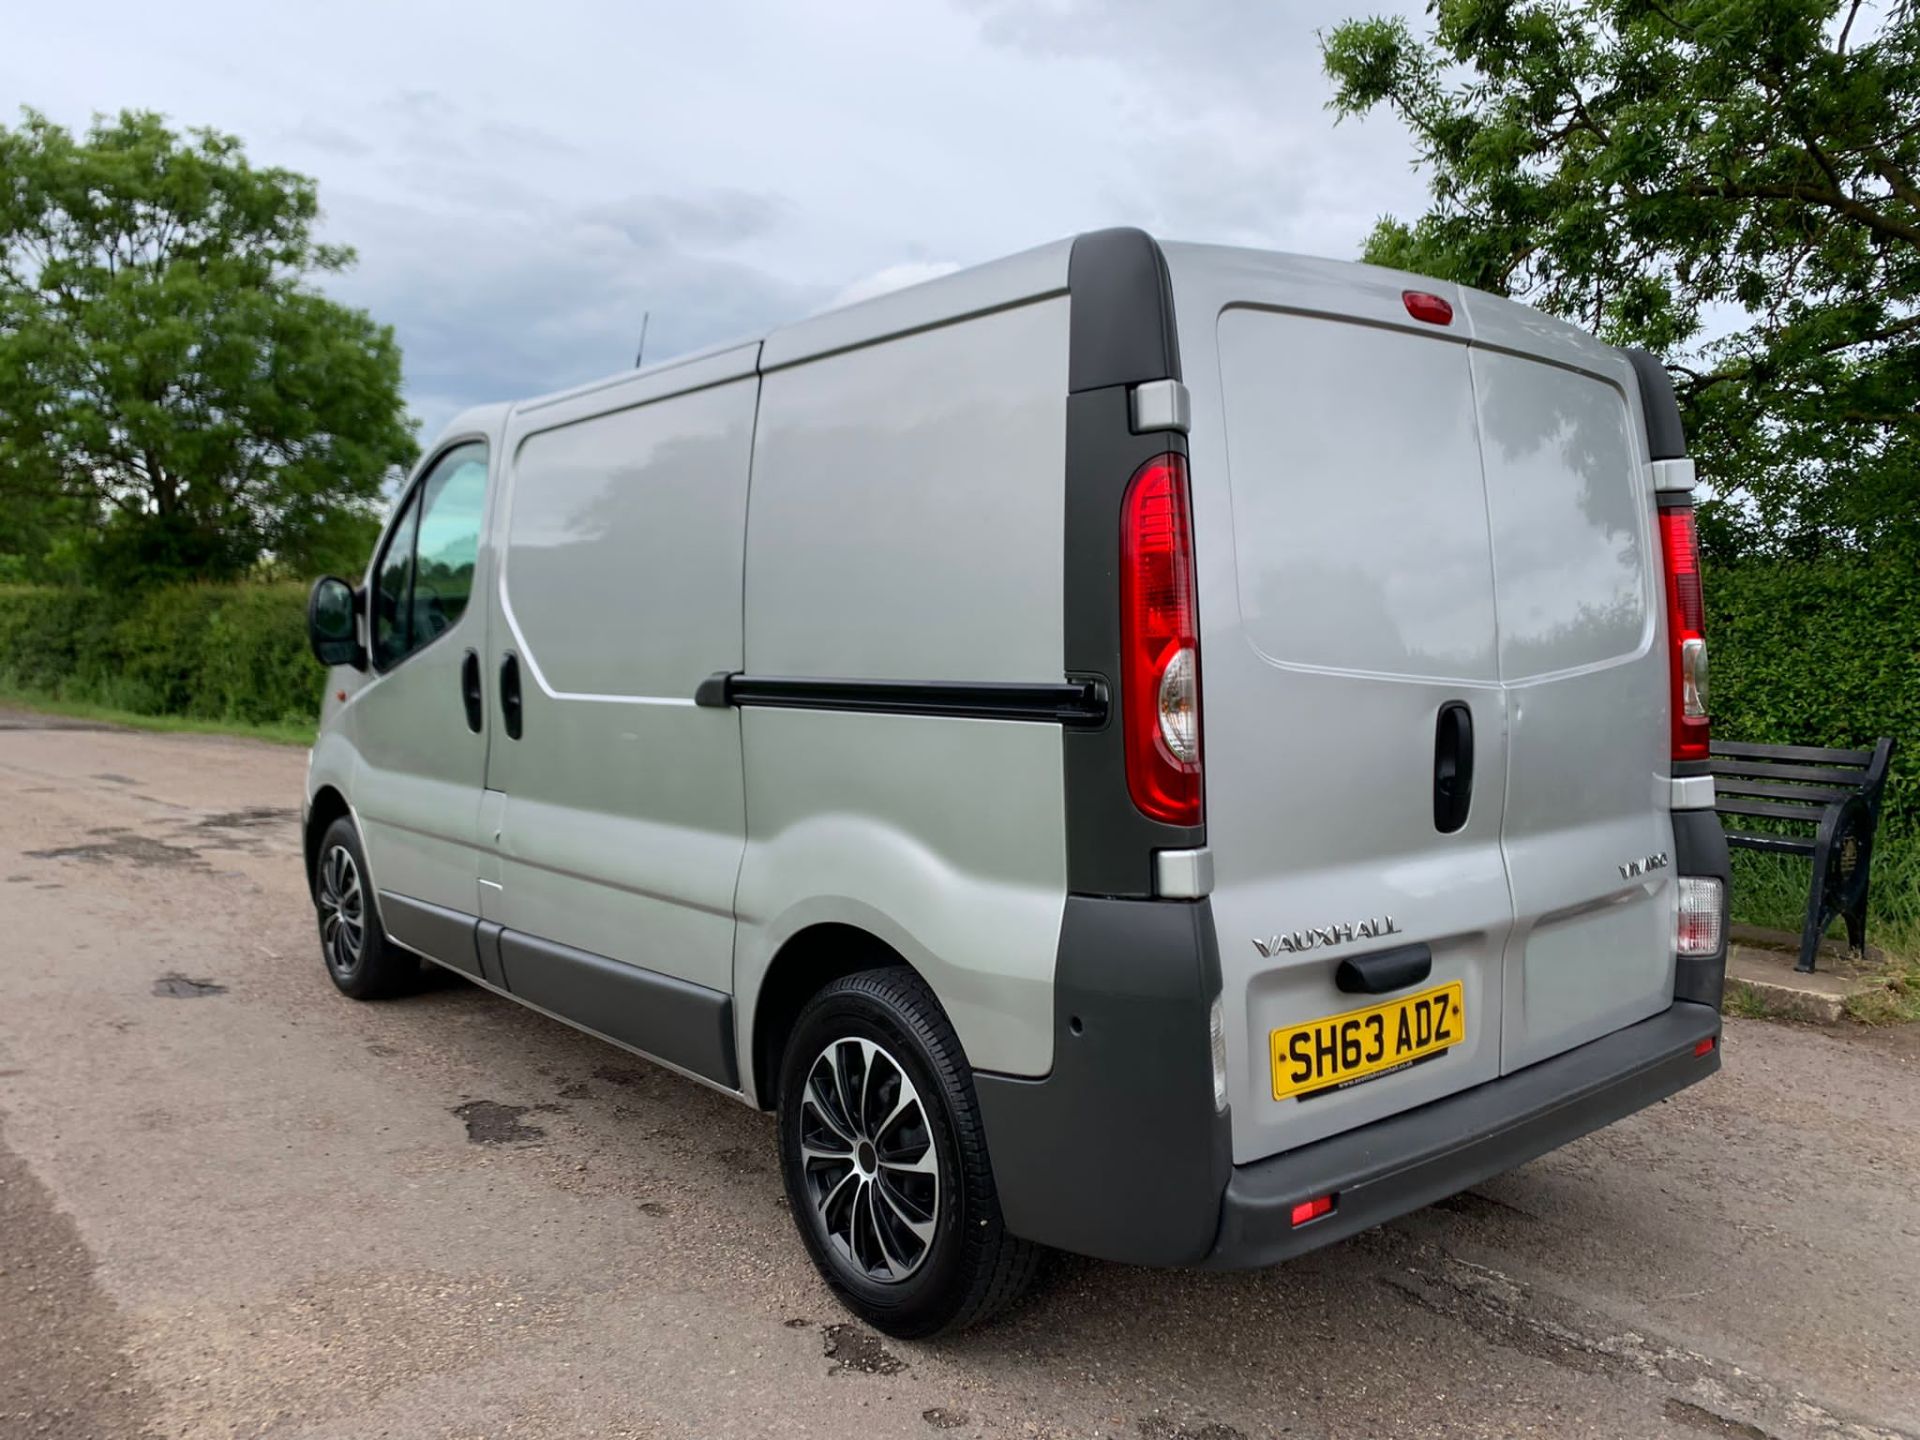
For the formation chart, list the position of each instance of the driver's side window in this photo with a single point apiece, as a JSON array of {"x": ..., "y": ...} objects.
[{"x": 425, "y": 575}]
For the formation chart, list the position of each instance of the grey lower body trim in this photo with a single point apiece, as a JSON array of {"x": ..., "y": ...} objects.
[
  {"x": 434, "y": 931},
  {"x": 686, "y": 1025},
  {"x": 486, "y": 939},
  {"x": 1415, "y": 1158}
]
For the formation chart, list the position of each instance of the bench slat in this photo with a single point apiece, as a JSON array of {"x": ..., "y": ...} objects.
[
  {"x": 1769, "y": 811},
  {"x": 1756, "y": 769},
  {"x": 1786, "y": 844},
  {"x": 1818, "y": 753},
  {"x": 1805, "y": 794}
]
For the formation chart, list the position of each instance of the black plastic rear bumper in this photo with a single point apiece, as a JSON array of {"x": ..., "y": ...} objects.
[
  {"x": 1415, "y": 1158},
  {"x": 1120, "y": 1153}
]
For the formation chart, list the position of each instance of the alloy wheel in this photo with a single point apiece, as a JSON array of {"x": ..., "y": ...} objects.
[
  {"x": 869, "y": 1161},
  {"x": 343, "y": 910}
]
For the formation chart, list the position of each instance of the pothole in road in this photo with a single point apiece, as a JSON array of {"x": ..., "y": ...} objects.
[
  {"x": 942, "y": 1418},
  {"x": 1154, "y": 1427},
  {"x": 179, "y": 987},
  {"x": 124, "y": 847},
  {"x": 491, "y": 1123},
  {"x": 253, "y": 817},
  {"x": 1475, "y": 1206},
  {"x": 851, "y": 1348},
  {"x": 1698, "y": 1417}
]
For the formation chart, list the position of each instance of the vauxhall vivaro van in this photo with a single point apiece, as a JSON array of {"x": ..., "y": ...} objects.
[{"x": 1173, "y": 753}]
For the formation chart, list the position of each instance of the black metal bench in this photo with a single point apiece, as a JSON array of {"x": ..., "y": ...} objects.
[{"x": 1835, "y": 793}]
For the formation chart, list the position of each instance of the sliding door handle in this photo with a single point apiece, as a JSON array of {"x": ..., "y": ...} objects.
[
  {"x": 470, "y": 689},
  {"x": 510, "y": 694}
]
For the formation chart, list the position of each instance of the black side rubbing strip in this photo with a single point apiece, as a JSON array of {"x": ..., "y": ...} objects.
[
  {"x": 682, "y": 1023},
  {"x": 1666, "y": 438},
  {"x": 1072, "y": 703}
]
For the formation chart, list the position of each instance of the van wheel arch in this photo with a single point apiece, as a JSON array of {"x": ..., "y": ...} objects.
[
  {"x": 810, "y": 960},
  {"x": 328, "y": 806}
]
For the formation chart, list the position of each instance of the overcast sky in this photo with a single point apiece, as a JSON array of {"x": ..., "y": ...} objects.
[{"x": 523, "y": 181}]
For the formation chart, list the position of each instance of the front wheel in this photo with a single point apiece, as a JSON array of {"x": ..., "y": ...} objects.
[
  {"x": 361, "y": 961},
  {"x": 885, "y": 1160}
]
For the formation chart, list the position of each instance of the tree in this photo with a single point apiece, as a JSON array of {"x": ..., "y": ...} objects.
[
  {"x": 1734, "y": 184},
  {"x": 167, "y": 375}
]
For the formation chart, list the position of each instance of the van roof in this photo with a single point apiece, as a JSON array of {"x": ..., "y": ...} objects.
[{"x": 978, "y": 289}]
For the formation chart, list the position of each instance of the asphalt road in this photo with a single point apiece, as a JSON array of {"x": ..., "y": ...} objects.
[{"x": 233, "y": 1203}]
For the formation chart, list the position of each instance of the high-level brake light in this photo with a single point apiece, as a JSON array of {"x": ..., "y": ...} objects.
[
  {"x": 1686, "y": 625},
  {"x": 1430, "y": 308},
  {"x": 1160, "y": 643}
]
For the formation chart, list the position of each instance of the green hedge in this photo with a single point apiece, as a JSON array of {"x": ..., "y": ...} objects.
[
  {"x": 1825, "y": 654},
  {"x": 235, "y": 653}
]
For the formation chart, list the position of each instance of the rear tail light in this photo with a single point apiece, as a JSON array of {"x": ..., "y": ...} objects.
[
  {"x": 1686, "y": 625},
  {"x": 1160, "y": 644},
  {"x": 1702, "y": 916},
  {"x": 1703, "y": 1047}
]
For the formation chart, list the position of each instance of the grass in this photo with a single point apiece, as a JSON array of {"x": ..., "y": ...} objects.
[
  {"x": 1743, "y": 1000},
  {"x": 281, "y": 734},
  {"x": 1771, "y": 891},
  {"x": 1894, "y": 998}
]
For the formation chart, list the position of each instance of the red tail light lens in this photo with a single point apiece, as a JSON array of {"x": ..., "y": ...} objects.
[
  {"x": 1313, "y": 1209},
  {"x": 1686, "y": 627},
  {"x": 1160, "y": 644},
  {"x": 1430, "y": 308}
]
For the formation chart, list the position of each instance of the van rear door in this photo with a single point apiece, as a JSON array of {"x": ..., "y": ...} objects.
[
  {"x": 1587, "y": 832},
  {"x": 1346, "y": 604}
]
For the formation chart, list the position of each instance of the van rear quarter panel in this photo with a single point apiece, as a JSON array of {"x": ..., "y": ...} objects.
[{"x": 905, "y": 523}]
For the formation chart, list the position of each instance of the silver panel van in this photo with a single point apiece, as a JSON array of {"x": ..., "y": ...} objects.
[{"x": 1172, "y": 753}]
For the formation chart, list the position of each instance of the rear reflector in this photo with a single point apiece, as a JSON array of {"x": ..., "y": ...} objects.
[
  {"x": 1702, "y": 916},
  {"x": 1430, "y": 308},
  {"x": 1160, "y": 644},
  {"x": 1313, "y": 1209},
  {"x": 1704, "y": 1047},
  {"x": 1686, "y": 623}
]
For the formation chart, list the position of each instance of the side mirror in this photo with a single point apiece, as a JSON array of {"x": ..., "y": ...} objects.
[{"x": 331, "y": 629}]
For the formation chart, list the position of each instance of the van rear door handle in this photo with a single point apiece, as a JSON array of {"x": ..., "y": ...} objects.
[
  {"x": 510, "y": 694},
  {"x": 1384, "y": 971},
  {"x": 470, "y": 688},
  {"x": 1452, "y": 766}
]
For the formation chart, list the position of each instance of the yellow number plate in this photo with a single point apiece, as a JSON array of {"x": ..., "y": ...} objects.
[{"x": 1362, "y": 1044}]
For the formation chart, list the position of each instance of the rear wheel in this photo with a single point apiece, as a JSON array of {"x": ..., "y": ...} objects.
[
  {"x": 360, "y": 959},
  {"x": 885, "y": 1160}
]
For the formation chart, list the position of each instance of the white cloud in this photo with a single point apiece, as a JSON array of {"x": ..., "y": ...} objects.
[
  {"x": 892, "y": 277},
  {"x": 519, "y": 195}
]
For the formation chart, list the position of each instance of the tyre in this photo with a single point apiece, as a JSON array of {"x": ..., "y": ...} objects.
[
  {"x": 885, "y": 1161},
  {"x": 361, "y": 960}
]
